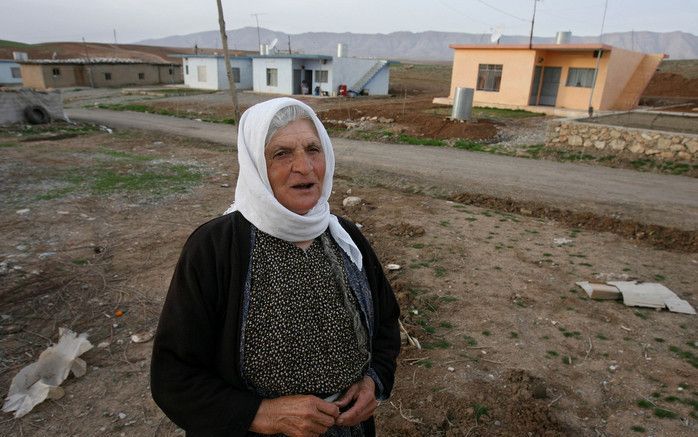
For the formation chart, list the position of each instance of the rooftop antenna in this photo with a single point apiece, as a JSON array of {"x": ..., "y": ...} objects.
[
  {"x": 259, "y": 38},
  {"x": 273, "y": 44},
  {"x": 496, "y": 35}
]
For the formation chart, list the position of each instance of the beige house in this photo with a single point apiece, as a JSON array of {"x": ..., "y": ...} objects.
[
  {"x": 98, "y": 73},
  {"x": 551, "y": 78}
]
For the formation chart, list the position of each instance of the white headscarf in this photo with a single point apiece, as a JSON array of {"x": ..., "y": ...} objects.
[{"x": 254, "y": 197}]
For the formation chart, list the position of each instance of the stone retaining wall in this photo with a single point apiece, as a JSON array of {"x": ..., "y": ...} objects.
[{"x": 616, "y": 139}]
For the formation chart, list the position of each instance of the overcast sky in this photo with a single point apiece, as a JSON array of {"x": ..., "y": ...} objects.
[{"x": 35, "y": 21}]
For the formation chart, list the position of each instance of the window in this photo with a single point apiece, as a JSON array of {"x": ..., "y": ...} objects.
[
  {"x": 107, "y": 76},
  {"x": 56, "y": 71},
  {"x": 321, "y": 76},
  {"x": 580, "y": 77},
  {"x": 201, "y": 73},
  {"x": 16, "y": 73},
  {"x": 186, "y": 69},
  {"x": 272, "y": 77},
  {"x": 141, "y": 76},
  {"x": 170, "y": 71},
  {"x": 236, "y": 75},
  {"x": 489, "y": 77}
]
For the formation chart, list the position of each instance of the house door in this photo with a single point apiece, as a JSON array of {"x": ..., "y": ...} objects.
[
  {"x": 297, "y": 81},
  {"x": 535, "y": 86},
  {"x": 551, "y": 83}
]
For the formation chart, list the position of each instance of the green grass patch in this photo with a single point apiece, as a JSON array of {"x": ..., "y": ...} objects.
[
  {"x": 471, "y": 146},
  {"x": 659, "y": 277},
  {"x": 685, "y": 355},
  {"x": 118, "y": 154},
  {"x": 486, "y": 333},
  {"x": 418, "y": 246},
  {"x": 552, "y": 353},
  {"x": 418, "y": 141},
  {"x": 489, "y": 112},
  {"x": 665, "y": 414},
  {"x": 438, "y": 344},
  {"x": 644, "y": 403},
  {"x": 171, "y": 178},
  {"x": 601, "y": 337},
  {"x": 439, "y": 271},
  {"x": 470, "y": 341},
  {"x": 13, "y": 44},
  {"x": 5, "y": 145},
  {"x": 480, "y": 410},
  {"x": 162, "y": 111},
  {"x": 637, "y": 428},
  {"x": 513, "y": 334},
  {"x": 427, "y": 364}
]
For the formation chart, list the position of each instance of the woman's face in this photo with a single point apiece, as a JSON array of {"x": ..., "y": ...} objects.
[{"x": 296, "y": 165}]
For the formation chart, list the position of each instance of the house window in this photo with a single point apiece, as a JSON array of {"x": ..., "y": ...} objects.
[
  {"x": 580, "y": 77},
  {"x": 56, "y": 71},
  {"x": 321, "y": 76},
  {"x": 107, "y": 76},
  {"x": 186, "y": 69},
  {"x": 489, "y": 77},
  {"x": 272, "y": 77},
  {"x": 170, "y": 71},
  {"x": 141, "y": 76},
  {"x": 201, "y": 73},
  {"x": 236, "y": 75},
  {"x": 16, "y": 73}
]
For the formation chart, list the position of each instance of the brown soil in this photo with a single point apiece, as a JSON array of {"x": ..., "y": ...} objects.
[
  {"x": 511, "y": 346},
  {"x": 672, "y": 85}
]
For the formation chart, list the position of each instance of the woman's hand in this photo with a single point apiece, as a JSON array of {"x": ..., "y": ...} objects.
[
  {"x": 294, "y": 416},
  {"x": 363, "y": 396}
]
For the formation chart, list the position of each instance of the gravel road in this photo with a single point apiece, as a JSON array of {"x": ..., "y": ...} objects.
[{"x": 646, "y": 197}]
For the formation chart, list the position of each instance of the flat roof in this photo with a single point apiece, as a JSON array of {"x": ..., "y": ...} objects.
[
  {"x": 294, "y": 56},
  {"x": 209, "y": 56},
  {"x": 558, "y": 47},
  {"x": 83, "y": 61}
]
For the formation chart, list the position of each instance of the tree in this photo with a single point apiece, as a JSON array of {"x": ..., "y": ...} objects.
[{"x": 228, "y": 67}]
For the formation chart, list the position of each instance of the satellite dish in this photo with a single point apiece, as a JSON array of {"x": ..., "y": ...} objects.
[
  {"x": 273, "y": 44},
  {"x": 496, "y": 35}
]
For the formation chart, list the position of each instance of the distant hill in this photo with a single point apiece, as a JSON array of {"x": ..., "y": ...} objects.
[{"x": 428, "y": 46}]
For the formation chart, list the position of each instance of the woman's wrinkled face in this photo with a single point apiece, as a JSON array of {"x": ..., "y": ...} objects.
[{"x": 296, "y": 165}]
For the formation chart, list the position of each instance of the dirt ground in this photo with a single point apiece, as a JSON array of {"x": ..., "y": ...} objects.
[{"x": 93, "y": 224}]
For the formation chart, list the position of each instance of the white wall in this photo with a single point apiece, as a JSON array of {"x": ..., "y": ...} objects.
[
  {"x": 348, "y": 71},
  {"x": 284, "y": 75},
  {"x": 191, "y": 77},
  {"x": 245, "y": 66},
  {"x": 6, "y": 73}
]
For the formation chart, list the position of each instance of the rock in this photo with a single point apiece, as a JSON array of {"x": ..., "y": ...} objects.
[
  {"x": 636, "y": 148},
  {"x": 685, "y": 156},
  {"x": 692, "y": 146},
  {"x": 575, "y": 140},
  {"x": 587, "y": 143},
  {"x": 646, "y": 136},
  {"x": 667, "y": 154},
  {"x": 617, "y": 144},
  {"x": 600, "y": 144},
  {"x": 351, "y": 201},
  {"x": 651, "y": 152},
  {"x": 615, "y": 134},
  {"x": 22, "y": 211},
  {"x": 122, "y": 416},
  {"x": 225, "y": 185},
  {"x": 393, "y": 267},
  {"x": 664, "y": 143},
  {"x": 46, "y": 255},
  {"x": 676, "y": 147}
]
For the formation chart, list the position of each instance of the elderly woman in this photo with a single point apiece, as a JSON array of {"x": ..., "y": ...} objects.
[{"x": 279, "y": 319}]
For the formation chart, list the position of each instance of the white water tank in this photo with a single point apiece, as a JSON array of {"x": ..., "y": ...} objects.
[
  {"x": 563, "y": 37},
  {"x": 342, "y": 50}
]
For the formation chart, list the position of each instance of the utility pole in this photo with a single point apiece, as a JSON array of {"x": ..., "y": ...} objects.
[
  {"x": 598, "y": 61},
  {"x": 87, "y": 62},
  {"x": 228, "y": 67},
  {"x": 533, "y": 20},
  {"x": 289, "y": 44},
  {"x": 259, "y": 38}
]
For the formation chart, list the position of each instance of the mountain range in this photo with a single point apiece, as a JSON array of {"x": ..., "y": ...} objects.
[{"x": 426, "y": 46}]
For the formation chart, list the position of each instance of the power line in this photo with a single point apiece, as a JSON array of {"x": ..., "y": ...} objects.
[{"x": 502, "y": 11}]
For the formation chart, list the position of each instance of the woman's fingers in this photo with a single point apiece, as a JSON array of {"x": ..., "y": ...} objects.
[
  {"x": 296, "y": 416},
  {"x": 348, "y": 396},
  {"x": 364, "y": 406}
]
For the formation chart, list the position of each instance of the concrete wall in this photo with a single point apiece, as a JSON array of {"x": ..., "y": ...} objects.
[
  {"x": 284, "y": 68},
  {"x": 245, "y": 66},
  {"x": 123, "y": 74},
  {"x": 630, "y": 95},
  {"x": 517, "y": 75},
  {"x": 611, "y": 139},
  {"x": 170, "y": 74},
  {"x": 348, "y": 71},
  {"x": 191, "y": 76},
  {"x": 13, "y": 102},
  {"x": 41, "y": 76},
  {"x": 6, "y": 73}
]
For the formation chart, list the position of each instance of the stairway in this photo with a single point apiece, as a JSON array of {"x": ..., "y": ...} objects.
[{"x": 361, "y": 83}]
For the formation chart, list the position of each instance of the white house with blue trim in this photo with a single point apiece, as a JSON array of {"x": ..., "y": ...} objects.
[
  {"x": 208, "y": 72},
  {"x": 10, "y": 73},
  {"x": 319, "y": 74}
]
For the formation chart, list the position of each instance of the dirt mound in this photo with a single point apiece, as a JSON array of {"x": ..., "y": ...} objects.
[
  {"x": 671, "y": 85},
  {"x": 658, "y": 236},
  {"x": 405, "y": 230}
]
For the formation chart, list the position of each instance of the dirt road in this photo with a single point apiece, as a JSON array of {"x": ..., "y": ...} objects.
[{"x": 645, "y": 197}]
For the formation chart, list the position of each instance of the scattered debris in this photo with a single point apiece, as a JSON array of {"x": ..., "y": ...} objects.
[
  {"x": 411, "y": 340},
  {"x": 105, "y": 129},
  {"x": 41, "y": 380},
  {"x": 450, "y": 369},
  {"x": 118, "y": 313},
  {"x": 351, "y": 201},
  {"x": 393, "y": 267},
  {"x": 45, "y": 255},
  {"x": 640, "y": 294},
  {"x": 23, "y": 211},
  {"x": 562, "y": 241},
  {"x": 225, "y": 185},
  {"x": 143, "y": 337}
]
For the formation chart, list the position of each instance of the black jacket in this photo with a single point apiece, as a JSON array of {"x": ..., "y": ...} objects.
[{"x": 195, "y": 374}]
